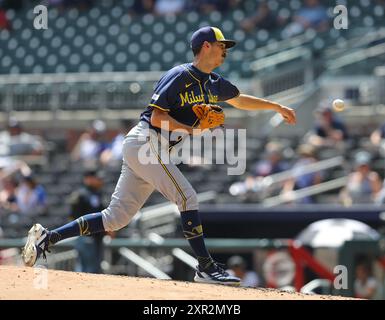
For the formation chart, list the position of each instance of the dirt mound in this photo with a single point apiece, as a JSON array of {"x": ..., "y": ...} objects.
[{"x": 35, "y": 283}]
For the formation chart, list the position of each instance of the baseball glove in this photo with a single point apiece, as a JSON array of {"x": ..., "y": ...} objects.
[{"x": 209, "y": 115}]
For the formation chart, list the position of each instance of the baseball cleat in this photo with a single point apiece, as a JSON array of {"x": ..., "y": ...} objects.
[
  {"x": 37, "y": 244},
  {"x": 216, "y": 275}
]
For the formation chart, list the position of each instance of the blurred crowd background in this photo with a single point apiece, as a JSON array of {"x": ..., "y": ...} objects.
[{"x": 69, "y": 94}]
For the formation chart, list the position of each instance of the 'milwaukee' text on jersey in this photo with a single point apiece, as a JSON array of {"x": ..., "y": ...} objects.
[{"x": 184, "y": 86}]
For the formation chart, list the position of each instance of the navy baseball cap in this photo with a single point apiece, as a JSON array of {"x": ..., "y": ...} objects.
[{"x": 209, "y": 34}]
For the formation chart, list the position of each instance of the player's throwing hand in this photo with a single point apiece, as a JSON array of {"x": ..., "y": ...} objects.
[{"x": 288, "y": 114}]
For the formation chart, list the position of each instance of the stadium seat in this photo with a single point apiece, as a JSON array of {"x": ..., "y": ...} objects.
[
  {"x": 17, "y": 24},
  {"x": 133, "y": 49},
  {"x": 144, "y": 57},
  {"x": 136, "y": 29},
  {"x": 60, "y": 23},
  {"x": 94, "y": 13},
  {"x": 146, "y": 39},
  {"x": 116, "y": 12},
  {"x": 52, "y": 60},
  {"x": 74, "y": 59},
  {"x": 157, "y": 48},
  {"x": 181, "y": 29},
  {"x": 104, "y": 21},
  {"x": 108, "y": 67},
  {"x": 123, "y": 40},
  {"x": 91, "y": 31},
  {"x": 69, "y": 32},
  {"x": 192, "y": 17},
  {"x": 125, "y": 20},
  {"x": 88, "y": 50},
  {"x": 61, "y": 68},
  {"x": 167, "y": 57},
  {"x": 368, "y": 21},
  {"x": 110, "y": 49},
  {"x": 72, "y": 14},
  {"x": 114, "y": 30},
  {"x": 295, "y": 5},
  {"x": 364, "y": 3},
  {"x": 155, "y": 66},
  {"x": 238, "y": 15},
  {"x": 108, "y": 29},
  {"x": 169, "y": 38},
  {"x": 82, "y": 22},
  {"x": 84, "y": 67},
  {"x": 284, "y": 13},
  {"x": 131, "y": 66},
  {"x": 250, "y": 44},
  {"x": 181, "y": 47}
]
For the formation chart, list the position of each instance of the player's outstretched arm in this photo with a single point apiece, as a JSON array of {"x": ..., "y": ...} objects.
[{"x": 251, "y": 103}]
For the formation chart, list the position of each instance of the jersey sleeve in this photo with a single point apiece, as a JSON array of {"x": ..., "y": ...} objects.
[
  {"x": 227, "y": 90},
  {"x": 165, "y": 93}
]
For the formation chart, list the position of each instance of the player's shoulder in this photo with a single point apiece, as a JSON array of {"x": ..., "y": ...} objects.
[
  {"x": 177, "y": 70},
  {"x": 175, "y": 73}
]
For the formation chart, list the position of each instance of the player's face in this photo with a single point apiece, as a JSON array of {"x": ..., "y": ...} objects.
[{"x": 218, "y": 53}]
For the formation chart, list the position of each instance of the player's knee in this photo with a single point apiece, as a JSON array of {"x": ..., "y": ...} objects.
[
  {"x": 116, "y": 217},
  {"x": 190, "y": 201}
]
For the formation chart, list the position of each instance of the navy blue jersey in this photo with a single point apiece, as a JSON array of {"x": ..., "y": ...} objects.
[{"x": 184, "y": 86}]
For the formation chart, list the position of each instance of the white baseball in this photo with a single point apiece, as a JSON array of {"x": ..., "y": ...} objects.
[{"x": 338, "y": 105}]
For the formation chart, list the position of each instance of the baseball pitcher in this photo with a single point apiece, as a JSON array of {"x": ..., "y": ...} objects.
[{"x": 184, "y": 98}]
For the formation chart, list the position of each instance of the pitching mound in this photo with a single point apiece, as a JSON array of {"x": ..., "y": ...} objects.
[{"x": 34, "y": 283}]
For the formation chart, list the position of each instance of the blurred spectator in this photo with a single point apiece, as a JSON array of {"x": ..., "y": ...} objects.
[
  {"x": 10, "y": 167},
  {"x": 4, "y": 23},
  {"x": 88, "y": 199},
  {"x": 300, "y": 181},
  {"x": 329, "y": 130},
  {"x": 10, "y": 173},
  {"x": 8, "y": 201},
  {"x": 363, "y": 184},
  {"x": 380, "y": 197},
  {"x": 163, "y": 7},
  {"x": 31, "y": 197},
  {"x": 207, "y": 6},
  {"x": 365, "y": 285},
  {"x": 264, "y": 18},
  {"x": 56, "y": 3},
  {"x": 313, "y": 15},
  {"x": 230, "y": 5},
  {"x": 90, "y": 144},
  {"x": 237, "y": 267},
  {"x": 272, "y": 163},
  {"x": 11, "y": 4},
  {"x": 378, "y": 139},
  {"x": 112, "y": 155},
  {"x": 15, "y": 142},
  {"x": 66, "y": 4},
  {"x": 142, "y": 7}
]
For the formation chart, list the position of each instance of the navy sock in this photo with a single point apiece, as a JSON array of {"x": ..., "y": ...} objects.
[
  {"x": 193, "y": 232},
  {"x": 85, "y": 225}
]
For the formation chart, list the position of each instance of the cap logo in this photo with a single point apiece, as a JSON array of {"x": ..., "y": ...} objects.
[{"x": 218, "y": 34}]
